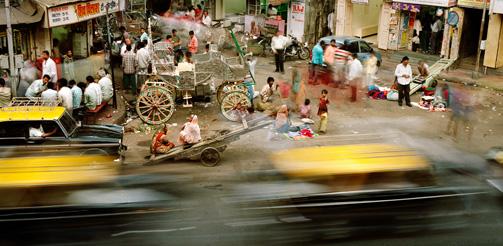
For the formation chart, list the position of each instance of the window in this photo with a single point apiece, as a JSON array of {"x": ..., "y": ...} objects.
[
  {"x": 68, "y": 123},
  {"x": 13, "y": 129},
  {"x": 36, "y": 128},
  {"x": 365, "y": 48},
  {"x": 353, "y": 47}
]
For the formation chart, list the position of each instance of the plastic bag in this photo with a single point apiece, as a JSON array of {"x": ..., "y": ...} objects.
[{"x": 392, "y": 95}]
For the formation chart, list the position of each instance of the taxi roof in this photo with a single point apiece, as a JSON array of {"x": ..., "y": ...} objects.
[
  {"x": 23, "y": 113},
  {"x": 347, "y": 159}
]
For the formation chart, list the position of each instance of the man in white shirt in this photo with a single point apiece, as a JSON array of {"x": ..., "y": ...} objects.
[
  {"x": 49, "y": 67},
  {"x": 144, "y": 35},
  {"x": 436, "y": 33},
  {"x": 206, "y": 19},
  {"x": 106, "y": 85},
  {"x": 403, "y": 73},
  {"x": 65, "y": 95},
  {"x": 278, "y": 43},
  {"x": 92, "y": 94},
  {"x": 37, "y": 87},
  {"x": 50, "y": 94},
  {"x": 330, "y": 20},
  {"x": 143, "y": 59},
  {"x": 355, "y": 73},
  {"x": 124, "y": 46}
]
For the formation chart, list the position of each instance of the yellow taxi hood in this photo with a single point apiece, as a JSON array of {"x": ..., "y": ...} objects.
[
  {"x": 347, "y": 159},
  {"x": 56, "y": 170},
  {"x": 18, "y": 113}
]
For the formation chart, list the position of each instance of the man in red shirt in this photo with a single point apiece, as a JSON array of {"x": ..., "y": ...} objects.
[{"x": 192, "y": 43}]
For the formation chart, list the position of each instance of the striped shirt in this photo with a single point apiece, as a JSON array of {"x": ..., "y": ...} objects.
[
  {"x": 341, "y": 55},
  {"x": 129, "y": 62}
]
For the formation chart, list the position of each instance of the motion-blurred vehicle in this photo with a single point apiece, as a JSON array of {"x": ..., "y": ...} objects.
[
  {"x": 366, "y": 187},
  {"x": 42, "y": 145},
  {"x": 354, "y": 45}
]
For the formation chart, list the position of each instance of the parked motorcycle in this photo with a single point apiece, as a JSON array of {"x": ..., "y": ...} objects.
[{"x": 295, "y": 48}]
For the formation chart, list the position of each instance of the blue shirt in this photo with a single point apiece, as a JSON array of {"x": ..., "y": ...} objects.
[
  {"x": 317, "y": 55},
  {"x": 77, "y": 96}
]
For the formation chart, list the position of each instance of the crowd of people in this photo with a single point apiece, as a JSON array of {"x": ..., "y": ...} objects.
[{"x": 331, "y": 64}]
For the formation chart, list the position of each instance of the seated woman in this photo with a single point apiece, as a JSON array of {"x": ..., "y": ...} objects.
[
  {"x": 282, "y": 123},
  {"x": 160, "y": 143},
  {"x": 191, "y": 133}
]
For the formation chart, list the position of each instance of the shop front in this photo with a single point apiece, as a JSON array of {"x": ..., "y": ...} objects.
[
  {"x": 494, "y": 45},
  {"x": 415, "y": 25},
  {"x": 69, "y": 24}
]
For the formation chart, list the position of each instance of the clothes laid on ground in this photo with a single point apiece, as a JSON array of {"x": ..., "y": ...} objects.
[{"x": 303, "y": 132}]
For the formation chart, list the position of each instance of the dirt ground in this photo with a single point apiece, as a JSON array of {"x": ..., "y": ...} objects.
[{"x": 362, "y": 122}]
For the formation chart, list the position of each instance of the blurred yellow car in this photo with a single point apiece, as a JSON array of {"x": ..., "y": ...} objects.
[
  {"x": 355, "y": 166},
  {"x": 42, "y": 145}
]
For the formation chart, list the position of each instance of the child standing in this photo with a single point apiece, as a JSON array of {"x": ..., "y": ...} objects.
[{"x": 323, "y": 111}]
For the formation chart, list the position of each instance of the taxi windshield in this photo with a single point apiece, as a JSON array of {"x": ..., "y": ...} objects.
[{"x": 68, "y": 123}]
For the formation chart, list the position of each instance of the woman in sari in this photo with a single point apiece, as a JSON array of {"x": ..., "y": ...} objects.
[
  {"x": 282, "y": 123},
  {"x": 160, "y": 143},
  {"x": 191, "y": 133}
]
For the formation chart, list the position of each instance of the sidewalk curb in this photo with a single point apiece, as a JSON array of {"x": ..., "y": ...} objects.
[{"x": 466, "y": 81}]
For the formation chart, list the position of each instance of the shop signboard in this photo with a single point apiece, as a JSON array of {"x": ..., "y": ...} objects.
[
  {"x": 406, "y": 7},
  {"x": 438, "y": 3},
  {"x": 77, "y": 12},
  {"x": 497, "y": 6},
  {"x": 475, "y": 4},
  {"x": 296, "y": 16},
  {"x": 360, "y": 1}
]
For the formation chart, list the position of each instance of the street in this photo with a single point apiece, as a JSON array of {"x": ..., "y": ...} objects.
[{"x": 251, "y": 122}]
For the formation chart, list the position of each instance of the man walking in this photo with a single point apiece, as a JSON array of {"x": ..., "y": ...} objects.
[
  {"x": 316, "y": 62},
  {"x": 142, "y": 60},
  {"x": 129, "y": 69},
  {"x": 403, "y": 73},
  {"x": 49, "y": 67},
  {"x": 278, "y": 46},
  {"x": 354, "y": 75}
]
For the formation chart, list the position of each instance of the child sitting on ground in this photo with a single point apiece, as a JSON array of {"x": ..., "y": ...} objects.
[{"x": 305, "y": 110}]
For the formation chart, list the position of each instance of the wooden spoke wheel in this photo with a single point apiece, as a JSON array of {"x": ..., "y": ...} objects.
[
  {"x": 229, "y": 103},
  {"x": 224, "y": 88},
  {"x": 155, "y": 105},
  {"x": 210, "y": 157}
]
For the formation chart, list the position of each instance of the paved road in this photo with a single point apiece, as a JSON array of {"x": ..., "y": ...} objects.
[{"x": 192, "y": 205}]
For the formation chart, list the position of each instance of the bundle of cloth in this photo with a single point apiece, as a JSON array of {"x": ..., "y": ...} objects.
[
  {"x": 301, "y": 132},
  {"x": 376, "y": 92}
]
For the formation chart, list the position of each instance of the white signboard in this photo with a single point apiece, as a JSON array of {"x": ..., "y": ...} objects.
[
  {"x": 439, "y": 3},
  {"x": 296, "y": 15},
  {"x": 74, "y": 13},
  {"x": 360, "y": 1},
  {"x": 497, "y": 6}
]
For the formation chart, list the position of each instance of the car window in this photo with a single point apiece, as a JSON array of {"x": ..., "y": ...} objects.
[
  {"x": 12, "y": 129},
  {"x": 36, "y": 129},
  {"x": 68, "y": 123},
  {"x": 365, "y": 48},
  {"x": 353, "y": 47}
]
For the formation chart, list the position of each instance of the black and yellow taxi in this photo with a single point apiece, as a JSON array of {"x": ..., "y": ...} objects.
[{"x": 42, "y": 145}]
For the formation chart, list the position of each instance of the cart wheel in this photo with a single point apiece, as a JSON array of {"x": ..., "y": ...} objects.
[
  {"x": 230, "y": 101},
  {"x": 224, "y": 88},
  {"x": 210, "y": 157},
  {"x": 155, "y": 105}
]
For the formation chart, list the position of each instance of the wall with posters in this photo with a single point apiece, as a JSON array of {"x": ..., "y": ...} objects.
[{"x": 296, "y": 17}]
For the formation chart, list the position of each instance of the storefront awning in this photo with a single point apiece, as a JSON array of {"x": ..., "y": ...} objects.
[
  {"x": 438, "y": 3},
  {"x": 26, "y": 13}
]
